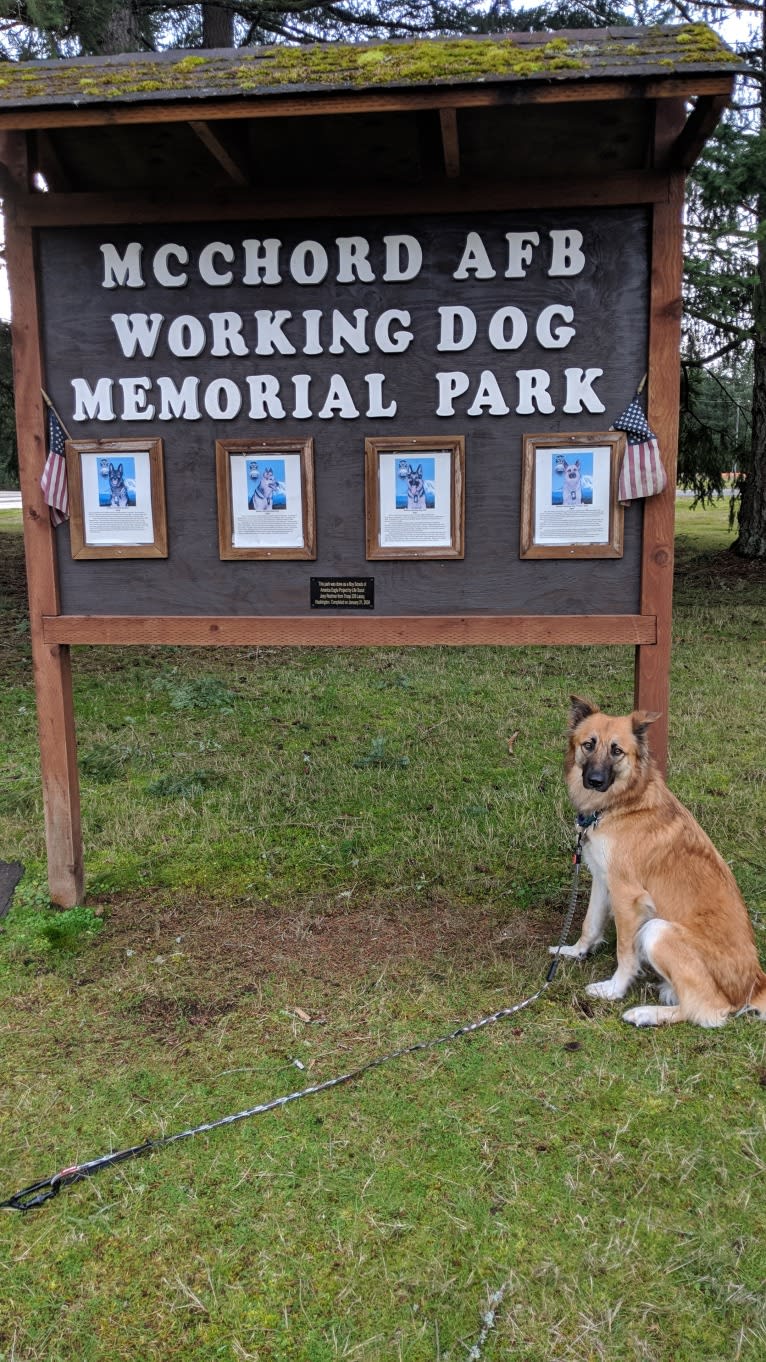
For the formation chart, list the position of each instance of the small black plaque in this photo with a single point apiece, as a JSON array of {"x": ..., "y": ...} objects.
[{"x": 342, "y": 593}]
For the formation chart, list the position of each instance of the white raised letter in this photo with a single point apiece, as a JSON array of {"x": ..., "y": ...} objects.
[
  {"x": 137, "y": 329},
  {"x": 309, "y": 263},
  {"x": 520, "y": 252},
  {"x": 352, "y": 260},
  {"x": 400, "y": 341},
  {"x": 567, "y": 257},
  {"x": 160, "y": 265},
  {"x": 375, "y": 389},
  {"x": 533, "y": 392},
  {"x": 399, "y": 271},
  {"x": 312, "y": 317},
  {"x": 580, "y": 391},
  {"x": 222, "y": 399},
  {"x": 558, "y": 339},
  {"x": 271, "y": 338},
  {"x": 338, "y": 399},
  {"x": 264, "y": 397},
  {"x": 497, "y": 329},
  {"x": 93, "y": 404},
  {"x": 227, "y": 334},
  {"x": 349, "y": 333},
  {"x": 122, "y": 271},
  {"x": 450, "y": 386},
  {"x": 474, "y": 258},
  {"x": 302, "y": 383},
  {"x": 179, "y": 403},
  {"x": 262, "y": 267},
  {"x": 450, "y": 316},
  {"x": 208, "y": 272},
  {"x": 135, "y": 406},
  {"x": 488, "y": 395},
  {"x": 186, "y": 337}
]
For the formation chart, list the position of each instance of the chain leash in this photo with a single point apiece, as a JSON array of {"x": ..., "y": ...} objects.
[{"x": 37, "y": 1193}]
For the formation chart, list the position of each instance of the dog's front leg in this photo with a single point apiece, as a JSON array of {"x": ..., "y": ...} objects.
[
  {"x": 594, "y": 922},
  {"x": 629, "y": 906}
]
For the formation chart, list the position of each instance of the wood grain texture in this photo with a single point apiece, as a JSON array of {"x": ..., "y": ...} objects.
[
  {"x": 610, "y": 303},
  {"x": 450, "y": 142},
  {"x": 652, "y": 681},
  {"x": 336, "y": 630},
  {"x": 68, "y": 210},
  {"x": 51, "y": 661}
]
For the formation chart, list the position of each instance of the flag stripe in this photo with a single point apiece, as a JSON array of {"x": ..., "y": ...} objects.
[
  {"x": 54, "y": 479},
  {"x": 642, "y": 473}
]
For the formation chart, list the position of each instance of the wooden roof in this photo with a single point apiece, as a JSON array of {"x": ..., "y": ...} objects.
[{"x": 247, "y": 74}]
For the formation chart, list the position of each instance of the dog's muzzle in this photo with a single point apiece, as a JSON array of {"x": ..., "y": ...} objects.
[{"x": 597, "y": 777}]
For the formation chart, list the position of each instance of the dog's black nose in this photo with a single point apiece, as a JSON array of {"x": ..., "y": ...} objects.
[{"x": 595, "y": 780}]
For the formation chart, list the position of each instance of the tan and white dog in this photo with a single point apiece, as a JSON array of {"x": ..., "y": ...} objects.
[{"x": 675, "y": 902}]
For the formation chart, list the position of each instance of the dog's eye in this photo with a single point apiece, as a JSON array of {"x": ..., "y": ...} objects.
[
  {"x": 589, "y": 744},
  {"x": 616, "y": 751}
]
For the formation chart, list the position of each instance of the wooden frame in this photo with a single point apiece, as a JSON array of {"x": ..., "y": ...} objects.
[
  {"x": 236, "y": 482},
  {"x": 100, "y": 468},
  {"x": 572, "y": 527},
  {"x": 436, "y": 475}
]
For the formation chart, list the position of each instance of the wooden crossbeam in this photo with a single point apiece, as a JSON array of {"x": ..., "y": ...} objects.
[
  {"x": 450, "y": 142},
  {"x": 220, "y": 153}
]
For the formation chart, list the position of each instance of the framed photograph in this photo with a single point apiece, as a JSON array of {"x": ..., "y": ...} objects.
[
  {"x": 116, "y": 499},
  {"x": 414, "y": 498},
  {"x": 266, "y": 500},
  {"x": 569, "y": 506}
]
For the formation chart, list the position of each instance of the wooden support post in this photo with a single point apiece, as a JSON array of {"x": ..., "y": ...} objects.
[
  {"x": 51, "y": 662},
  {"x": 652, "y": 678}
]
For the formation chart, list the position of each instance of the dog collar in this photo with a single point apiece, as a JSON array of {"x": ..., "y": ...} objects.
[{"x": 587, "y": 820}]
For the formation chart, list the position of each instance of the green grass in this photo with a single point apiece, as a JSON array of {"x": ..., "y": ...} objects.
[{"x": 347, "y": 834}]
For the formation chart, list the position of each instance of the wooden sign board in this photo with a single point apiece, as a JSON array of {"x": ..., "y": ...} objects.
[
  {"x": 318, "y": 374},
  {"x": 346, "y": 332}
]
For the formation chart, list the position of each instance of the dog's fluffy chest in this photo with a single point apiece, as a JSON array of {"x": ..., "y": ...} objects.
[{"x": 596, "y": 854}]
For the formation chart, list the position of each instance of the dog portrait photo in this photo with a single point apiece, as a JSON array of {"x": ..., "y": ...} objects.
[
  {"x": 678, "y": 912},
  {"x": 415, "y": 485},
  {"x": 117, "y": 482},
  {"x": 572, "y": 479},
  {"x": 266, "y": 485}
]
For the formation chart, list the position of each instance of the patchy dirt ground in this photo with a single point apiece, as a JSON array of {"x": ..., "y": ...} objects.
[
  {"x": 188, "y": 963},
  {"x": 327, "y": 942}
]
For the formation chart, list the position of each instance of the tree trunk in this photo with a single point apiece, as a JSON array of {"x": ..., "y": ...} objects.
[
  {"x": 217, "y": 25},
  {"x": 122, "y": 32},
  {"x": 751, "y": 542}
]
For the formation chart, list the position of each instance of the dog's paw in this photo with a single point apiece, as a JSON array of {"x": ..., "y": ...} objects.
[
  {"x": 642, "y": 1016},
  {"x": 576, "y": 952},
  {"x": 607, "y": 989}
]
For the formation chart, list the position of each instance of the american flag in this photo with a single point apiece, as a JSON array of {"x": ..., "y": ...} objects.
[
  {"x": 642, "y": 473},
  {"x": 54, "y": 480}
]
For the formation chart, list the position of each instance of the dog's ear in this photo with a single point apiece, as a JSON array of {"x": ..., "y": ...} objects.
[
  {"x": 579, "y": 709},
  {"x": 640, "y": 720}
]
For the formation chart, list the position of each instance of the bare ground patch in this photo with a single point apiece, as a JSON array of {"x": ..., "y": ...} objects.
[{"x": 226, "y": 947}]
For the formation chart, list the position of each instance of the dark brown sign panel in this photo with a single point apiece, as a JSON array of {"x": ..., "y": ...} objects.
[{"x": 487, "y": 327}]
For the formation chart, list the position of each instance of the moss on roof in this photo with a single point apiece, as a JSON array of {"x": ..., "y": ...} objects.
[{"x": 592, "y": 53}]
